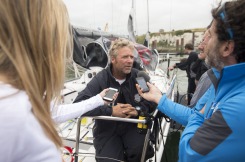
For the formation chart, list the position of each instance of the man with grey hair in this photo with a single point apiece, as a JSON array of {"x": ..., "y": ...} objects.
[{"x": 114, "y": 140}]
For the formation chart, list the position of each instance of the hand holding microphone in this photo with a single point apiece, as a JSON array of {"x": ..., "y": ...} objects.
[
  {"x": 144, "y": 75},
  {"x": 141, "y": 79},
  {"x": 153, "y": 94}
]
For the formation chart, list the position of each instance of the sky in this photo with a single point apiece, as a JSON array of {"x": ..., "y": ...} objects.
[{"x": 163, "y": 14}]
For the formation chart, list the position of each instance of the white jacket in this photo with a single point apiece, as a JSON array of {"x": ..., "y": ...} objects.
[{"x": 21, "y": 136}]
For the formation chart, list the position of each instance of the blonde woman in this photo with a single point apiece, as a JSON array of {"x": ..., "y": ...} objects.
[{"x": 34, "y": 43}]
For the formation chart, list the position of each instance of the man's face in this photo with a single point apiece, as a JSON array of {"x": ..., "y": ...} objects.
[
  {"x": 212, "y": 49},
  {"x": 202, "y": 55},
  {"x": 123, "y": 62}
]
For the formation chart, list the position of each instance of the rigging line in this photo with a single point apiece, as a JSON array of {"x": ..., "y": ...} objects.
[
  {"x": 91, "y": 20},
  {"x": 120, "y": 17},
  {"x": 118, "y": 14},
  {"x": 170, "y": 22},
  {"x": 112, "y": 16},
  {"x": 148, "y": 26},
  {"x": 94, "y": 26},
  {"x": 170, "y": 16}
]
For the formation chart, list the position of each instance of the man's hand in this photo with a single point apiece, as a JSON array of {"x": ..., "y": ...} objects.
[
  {"x": 124, "y": 111},
  {"x": 130, "y": 112},
  {"x": 172, "y": 67},
  {"x": 153, "y": 95}
]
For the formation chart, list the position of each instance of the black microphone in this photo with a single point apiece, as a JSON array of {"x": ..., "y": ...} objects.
[
  {"x": 141, "y": 79},
  {"x": 144, "y": 75}
]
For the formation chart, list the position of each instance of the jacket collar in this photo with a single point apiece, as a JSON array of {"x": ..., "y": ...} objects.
[
  {"x": 7, "y": 90},
  {"x": 233, "y": 72}
]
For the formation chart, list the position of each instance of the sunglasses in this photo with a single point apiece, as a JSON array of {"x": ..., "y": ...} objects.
[{"x": 222, "y": 14}]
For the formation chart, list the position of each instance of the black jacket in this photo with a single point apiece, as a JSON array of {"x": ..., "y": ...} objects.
[
  {"x": 199, "y": 67},
  {"x": 127, "y": 92},
  {"x": 186, "y": 65}
]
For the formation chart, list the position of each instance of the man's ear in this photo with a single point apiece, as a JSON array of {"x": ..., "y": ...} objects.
[
  {"x": 228, "y": 48},
  {"x": 112, "y": 59}
]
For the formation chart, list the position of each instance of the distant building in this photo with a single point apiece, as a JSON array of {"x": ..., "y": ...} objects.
[{"x": 176, "y": 42}]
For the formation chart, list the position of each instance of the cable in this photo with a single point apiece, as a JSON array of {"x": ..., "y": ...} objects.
[{"x": 101, "y": 157}]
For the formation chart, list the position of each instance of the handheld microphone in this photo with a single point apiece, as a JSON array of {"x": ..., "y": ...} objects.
[
  {"x": 144, "y": 75},
  {"x": 141, "y": 79}
]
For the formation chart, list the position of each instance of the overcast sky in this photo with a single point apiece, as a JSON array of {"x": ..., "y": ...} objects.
[{"x": 163, "y": 14}]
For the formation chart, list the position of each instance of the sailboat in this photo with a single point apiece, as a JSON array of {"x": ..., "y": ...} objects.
[{"x": 91, "y": 54}]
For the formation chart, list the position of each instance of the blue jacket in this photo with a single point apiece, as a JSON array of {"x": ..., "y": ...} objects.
[
  {"x": 181, "y": 113},
  {"x": 218, "y": 135}
]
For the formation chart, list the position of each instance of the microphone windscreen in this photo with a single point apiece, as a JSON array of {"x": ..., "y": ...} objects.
[{"x": 144, "y": 75}]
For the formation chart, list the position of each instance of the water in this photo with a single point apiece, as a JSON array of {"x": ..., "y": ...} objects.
[{"x": 181, "y": 77}]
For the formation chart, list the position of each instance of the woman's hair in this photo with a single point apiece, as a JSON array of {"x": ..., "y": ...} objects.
[
  {"x": 34, "y": 43},
  {"x": 230, "y": 25},
  {"x": 118, "y": 44}
]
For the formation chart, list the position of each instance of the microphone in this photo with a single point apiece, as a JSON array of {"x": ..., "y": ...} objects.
[
  {"x": 144, "y": 75},
  {"x": 141, "y": 79}
]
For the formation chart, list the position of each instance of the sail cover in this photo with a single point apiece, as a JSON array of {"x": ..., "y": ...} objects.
[{"x": 147, "y": 56}]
